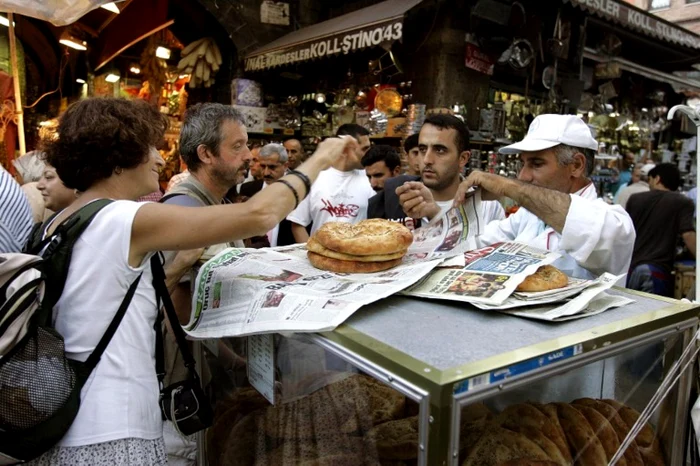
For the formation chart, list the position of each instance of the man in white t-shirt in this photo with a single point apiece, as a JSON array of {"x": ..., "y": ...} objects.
[
  {"x": 443, "y": 143},
  {"x": 340, "y": 194}
]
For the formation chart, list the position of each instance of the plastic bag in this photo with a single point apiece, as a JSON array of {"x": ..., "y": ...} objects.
[{"x": 57, "y": 12}]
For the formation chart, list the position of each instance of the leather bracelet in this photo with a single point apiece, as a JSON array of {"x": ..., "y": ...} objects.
[
  {"x": 304, "y": 178},
  {"x": 294, "y": 191}
]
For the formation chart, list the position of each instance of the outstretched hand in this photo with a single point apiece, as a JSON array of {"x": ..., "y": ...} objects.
[
  {"x": 492, "y": 186},
  {"x": 417, "y": 200},
  {"x": 333, "y": 150}
]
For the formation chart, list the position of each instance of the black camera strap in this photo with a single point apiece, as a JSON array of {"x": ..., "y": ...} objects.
[{"x": 163, "y": 296}]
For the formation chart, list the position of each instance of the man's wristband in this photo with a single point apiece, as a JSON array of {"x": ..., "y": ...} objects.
[
  {"x": 294, "y": 191},
  {"x": 302, "y": 177}
]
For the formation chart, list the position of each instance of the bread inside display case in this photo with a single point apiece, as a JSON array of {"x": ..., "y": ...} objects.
[
  {"x": 327, "y": 412},
  {"x": 324, "y": 416},
  {"x": 563, "y": 421}
]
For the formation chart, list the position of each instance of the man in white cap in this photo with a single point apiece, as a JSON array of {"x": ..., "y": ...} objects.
[{"x": 560, "y": 210}]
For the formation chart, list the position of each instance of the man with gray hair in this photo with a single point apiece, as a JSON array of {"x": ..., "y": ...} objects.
[
  {"x": 273, "y": 161},
  {"x": 559, "y": 207},
  {"x": 213, "y": 144}
]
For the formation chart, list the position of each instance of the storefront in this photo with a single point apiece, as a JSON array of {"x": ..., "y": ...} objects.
[
  {"x": 496, "y": 65},
  {"x": 169, "y": 53}
]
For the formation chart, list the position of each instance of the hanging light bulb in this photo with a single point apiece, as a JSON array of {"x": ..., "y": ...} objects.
[
  {"x": 111, "y": 7},
  {"x": 163, "y": 52},
  {"x": 320, "y": 97},
  {"x": 69, "y": 40}
]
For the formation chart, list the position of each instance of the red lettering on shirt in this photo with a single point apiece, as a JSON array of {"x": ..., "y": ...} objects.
[{"x": 341, "y": 210}]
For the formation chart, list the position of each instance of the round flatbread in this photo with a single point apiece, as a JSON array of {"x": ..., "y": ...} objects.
[
  {"x": 370, "y": 237},
  {"x": 546, "y": 278},
  {"x": 529, "y": 462},
  {"x": 314, "y": 246},
  {"x": 603, "y": 430},
  {"x": 547, "y": 446},
  {"x": 585, "y": 446},
  {"x": 338, "y": 266},
  {"x": 396, "y": 440},
  {"x": 632, "y": 454},
  {"x": 499, "y": 445},
  {"x": 526, "y": 414},
  {"x": 648, "y": 443}
]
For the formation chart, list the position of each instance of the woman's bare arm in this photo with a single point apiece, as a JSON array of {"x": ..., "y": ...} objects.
[{"x": 159, "y": 227}]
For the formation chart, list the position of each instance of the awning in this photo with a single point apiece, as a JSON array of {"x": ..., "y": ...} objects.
[
  {"x": 639, "y": 20},
  {"x": 679, "y": 83},
  {"x": 368, "y": 27},
  {"x": 57, "y": 12}
]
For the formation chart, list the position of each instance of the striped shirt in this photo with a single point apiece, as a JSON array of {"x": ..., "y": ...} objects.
[{"x": 15, "y": 215}]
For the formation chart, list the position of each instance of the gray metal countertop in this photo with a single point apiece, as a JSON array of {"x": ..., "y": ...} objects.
[{"x": 447, "y": 334}]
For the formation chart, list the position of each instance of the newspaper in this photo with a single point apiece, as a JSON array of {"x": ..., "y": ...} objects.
[
  {"x": 251, "y": 291},
  {"x": 490, "y": 274},
  {"x": 579, "y": 307},
  {"x": 450, "y": 235},
  {"x": 577, "y": 287}
]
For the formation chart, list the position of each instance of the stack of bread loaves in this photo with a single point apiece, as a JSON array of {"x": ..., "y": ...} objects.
[
  {"x": 586, "y": 431},
  {"x": 337, "y": 419},
  {"x": 368, "y": 246}
]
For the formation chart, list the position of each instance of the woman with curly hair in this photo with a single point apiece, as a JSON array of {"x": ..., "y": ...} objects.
[{"x": 106, "y": 150}]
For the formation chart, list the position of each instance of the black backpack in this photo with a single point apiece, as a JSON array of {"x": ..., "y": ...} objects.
[{"x": 39, "y": 386}]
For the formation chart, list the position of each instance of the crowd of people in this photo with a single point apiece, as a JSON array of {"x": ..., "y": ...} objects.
[{"x": 273, "y": 195}]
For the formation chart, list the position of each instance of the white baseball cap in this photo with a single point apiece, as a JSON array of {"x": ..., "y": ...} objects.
[
  {"x": 646, "y": 169},
  {"x": 551, "y": 130}
]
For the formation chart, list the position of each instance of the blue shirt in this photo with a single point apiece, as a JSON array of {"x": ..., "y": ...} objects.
[{"x": 15, "y": 215}]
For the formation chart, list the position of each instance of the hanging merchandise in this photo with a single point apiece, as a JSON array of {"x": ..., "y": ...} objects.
[
  {"x": 377, "y": 122},
  {"x": 201, "y": 60},
  {"x": 415, "y": 117},
  {"x": 389, "y": 102},
  {"x": 153, "y": 69},
  {"x": 246, "y": 92},
  {"x": 254, "y": 117},
  {"x": 519, "y": 55}
]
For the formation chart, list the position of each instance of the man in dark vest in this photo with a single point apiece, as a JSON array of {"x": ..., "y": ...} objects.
[{"x": 273, "y": 161}]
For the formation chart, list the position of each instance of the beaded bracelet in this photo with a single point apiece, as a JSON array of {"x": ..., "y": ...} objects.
[
  {"x": 294, "y": 191},
  {"x": 302, "y": 177}
]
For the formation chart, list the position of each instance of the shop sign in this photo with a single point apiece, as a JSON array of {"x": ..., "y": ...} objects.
[
  {"x": 341, "y": 43},
  {"x": 640, "y": 20},
  {"x": 478, "y": 60},
  {"x": 274, "y": 13}
]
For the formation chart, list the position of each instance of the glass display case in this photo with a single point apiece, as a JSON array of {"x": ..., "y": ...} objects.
[{"x": 416, "y": 382}]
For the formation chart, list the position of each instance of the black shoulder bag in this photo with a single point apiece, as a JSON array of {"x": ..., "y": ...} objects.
[{"x": 183, "y": 403}]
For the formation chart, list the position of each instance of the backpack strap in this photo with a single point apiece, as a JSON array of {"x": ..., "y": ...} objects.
[
  {"x": 96, "y": 354},
  {"x": 163, "y": 295},
  {"x": 57, "y": 249},
  {"x": 189, "y": 189}
]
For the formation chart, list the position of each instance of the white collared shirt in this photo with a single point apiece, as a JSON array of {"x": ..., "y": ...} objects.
[{"x": 597, "y": 237}]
